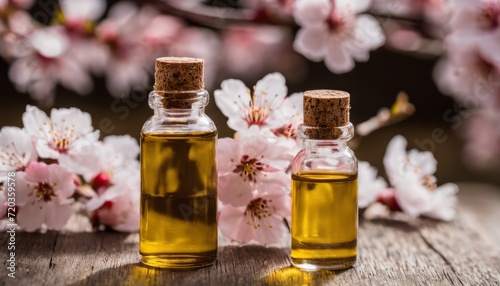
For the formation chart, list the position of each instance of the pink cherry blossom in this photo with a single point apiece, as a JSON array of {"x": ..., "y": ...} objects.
[
  {"x": 118, "y": 205},
  {"x": 471, "y": 72},
  {"x": 16, "y": 150},
  {"x": 412, "y": 177},
  {"x": 260, "y": 219},
  {"x": 475, "y": 16},
  {"x": 252, "y": 163},
  {"x": 332, "y": 30},
  {"x": 244, "y": 109},
  {"x": 114, "y": 183},
  {"x": 43, "y": 194},
  {"x": 38, "y": 72},
  {"x": 369, "y": 185},
  {"x": 15, "y": 26},
  {"x": 124, "y": 59},
  {"x": 67, "y": 135}
]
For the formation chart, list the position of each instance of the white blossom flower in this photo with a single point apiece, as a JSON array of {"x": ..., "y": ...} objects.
[
  {"x": 43, "y": 194},
  {"x": 260, "y": 219},
  {"x": 415, "y": 189},
  {"x": 333, "y": 31},
  {"x": 114, "y": 155},
  {"x": 369, "y": 185},
  {"x": 244, "y": 109},
  {"x": 67, "y": 135},
  {"x": 16, "y": 150},
  {"x": 252, "y": 163}
]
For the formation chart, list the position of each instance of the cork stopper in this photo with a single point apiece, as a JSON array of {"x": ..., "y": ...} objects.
[
  {"x": 175, "y": 77},
  {"x": 178, "y": 74},
  {"x": 326, "y": 109}
]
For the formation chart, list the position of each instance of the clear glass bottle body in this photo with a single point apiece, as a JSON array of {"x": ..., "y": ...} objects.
[
  {"x": 324, "y": 202},
  {"x": 178, "y": 227}
]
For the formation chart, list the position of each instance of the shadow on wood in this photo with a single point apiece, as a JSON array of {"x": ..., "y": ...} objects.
[{"x": 249, "y": 265}]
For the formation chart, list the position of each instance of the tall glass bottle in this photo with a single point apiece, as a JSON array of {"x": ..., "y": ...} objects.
[
  {"x": 178, "y": 227},
  {"x": 324, "y": 185}
]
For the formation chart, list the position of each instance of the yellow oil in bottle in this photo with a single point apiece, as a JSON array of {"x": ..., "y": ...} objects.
[
  {"x": 324, "y": 220},
  {"x": 178, "y": 199}
]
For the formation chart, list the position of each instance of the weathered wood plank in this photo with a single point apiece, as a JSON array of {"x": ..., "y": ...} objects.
[
  {"x": 474, "y": 260},
  {"x": 33, "y": 253},
  {"x": 391, "y": 252}
]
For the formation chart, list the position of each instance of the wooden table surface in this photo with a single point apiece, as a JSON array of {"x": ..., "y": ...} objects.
[{"x": 391, "y": 252}]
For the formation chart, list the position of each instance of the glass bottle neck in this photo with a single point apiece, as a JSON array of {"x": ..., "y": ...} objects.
[
  {"x": 312, "y": 146},
  {"x": 179, "y": 105},
  {"x": 325, "y": 140}
]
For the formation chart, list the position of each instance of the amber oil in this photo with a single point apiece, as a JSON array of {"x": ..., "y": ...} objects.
[
  {"x": 324, "y": 220},
  {"x": 178, "y": 200}
]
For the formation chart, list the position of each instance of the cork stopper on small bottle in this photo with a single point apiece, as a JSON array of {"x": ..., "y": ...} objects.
[
  {"x": 326, "y": 109},
  {"x": 175, "y": 77}
]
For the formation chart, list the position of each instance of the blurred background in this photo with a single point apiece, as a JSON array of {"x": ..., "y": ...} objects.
[{"x": 115, "y": 43}]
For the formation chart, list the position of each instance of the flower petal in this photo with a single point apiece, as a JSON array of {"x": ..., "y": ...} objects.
[
  {"x": 232, "y": 98},
  {"x": 228, "y": 154},
  {"x": 443, "y": 202},
  {"x": 232, "y": 224},
  {"x": 234, "y": 190},
  {"x": 312, "y": 42},
  {"x": 395, "y": 156},
  {"x": 338, "y": 59},
  {"x": 37, "y": 172},
  {"x": 413, "y": 198},
  {"x": 56, "y": 215},
  {"x": 369, "y": 185},
  {"x": 311, "y": 12},
  {"x": 62, "y": 181},
  {"x": 270, "y": 91},
  {"x": 424, "y": 161},
  {"x": 34, "y": 120},
  {"x": 16, "y": 149},
  {"x": 24, "y": 190},
  {"x": 352, "y": 7},
  {"x": 30, "y": 217},
  {"x": 124, "y": 145}
]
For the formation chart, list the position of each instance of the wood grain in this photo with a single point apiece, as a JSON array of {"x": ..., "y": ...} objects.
[{"x": 391, "y": 252}]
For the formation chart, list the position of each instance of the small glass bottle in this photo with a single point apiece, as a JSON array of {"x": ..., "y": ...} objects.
[
  {"x": 324, "y": 185},
  {"x": 178, "y": 227}
]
